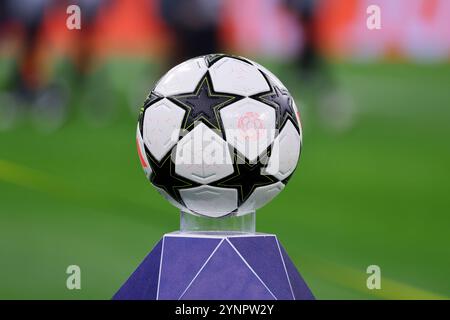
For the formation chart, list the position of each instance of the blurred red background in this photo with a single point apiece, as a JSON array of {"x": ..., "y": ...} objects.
[{"x": 416, "y": 29}]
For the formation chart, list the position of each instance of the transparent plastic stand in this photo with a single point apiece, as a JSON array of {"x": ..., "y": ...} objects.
[{"x": 230, "y": 224}]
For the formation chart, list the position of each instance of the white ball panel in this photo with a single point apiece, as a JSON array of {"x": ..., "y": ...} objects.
[
  {"x": 182, "y": 78},
  {"x": 249, "y": 126},
  {"x": 141, "y": 153},
  {"x": 285, "y": 152},
  {"x": 235, "y": 76},
  {"x": 203, "y": 156},
  {"x": 210, "y": 201},
  {"x": 161, "y": 127},
  {"x": 260, "y": 197}
]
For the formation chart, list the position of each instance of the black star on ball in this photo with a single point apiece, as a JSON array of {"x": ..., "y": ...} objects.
[
  {"x": 281, "y": 100},
  {"x": 152, "y": 98},
  {"x": 203, "y": 104},
  {"x": 246, "y": 178},
  {"x": 164, "y": 176},
  {"x": 215, "y": 57}
]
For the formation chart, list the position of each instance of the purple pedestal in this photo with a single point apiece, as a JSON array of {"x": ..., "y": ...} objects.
[{"x": 216, "y": 267}]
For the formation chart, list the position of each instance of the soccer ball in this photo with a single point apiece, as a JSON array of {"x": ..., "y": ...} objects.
[{"x": 219, "y": 135}]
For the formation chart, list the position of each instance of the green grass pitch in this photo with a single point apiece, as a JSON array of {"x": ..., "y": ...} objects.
[{"x": 375, "y": 194}]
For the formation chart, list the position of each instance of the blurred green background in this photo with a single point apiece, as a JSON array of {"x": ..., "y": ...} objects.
[{"x": 375, "y": 194}]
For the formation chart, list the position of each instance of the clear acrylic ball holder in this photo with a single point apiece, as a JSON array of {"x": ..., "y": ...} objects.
[{"x": 230, "y": 224}]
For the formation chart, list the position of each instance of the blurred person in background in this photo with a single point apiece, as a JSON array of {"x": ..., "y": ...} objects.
[
  {"x": 309, "y": 59},
  {"x": 334, "y": 107},
  {"x": 89, "y": 78},
  {"x": 26, "y": 83},
  {"x": 30, "y": 15},
  {"x": 29, "y": 90},
  {"x": 194, "y": 25},
  {"x": 83, "y": 55}
]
